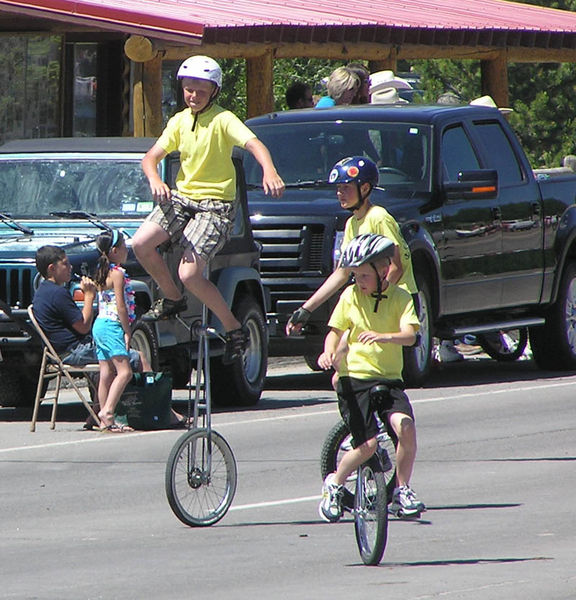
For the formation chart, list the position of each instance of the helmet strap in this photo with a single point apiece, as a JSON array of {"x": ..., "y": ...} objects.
[
  {"x": 378, "y": 295},
  {"x": 213, "y": 97},
  {"x": 361, "y": 198}
]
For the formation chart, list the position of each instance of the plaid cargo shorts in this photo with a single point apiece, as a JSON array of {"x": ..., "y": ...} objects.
[{"x": 203, "y": 226}]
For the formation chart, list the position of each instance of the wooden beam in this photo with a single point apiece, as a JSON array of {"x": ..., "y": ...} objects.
[
  {"x": 387, "y": 64},
  {"x": 494, "y": 79},
  {"x": 147, "y": 98},
  {"x": 367, "y": 51},
  {"x": 259, "y": 85}
]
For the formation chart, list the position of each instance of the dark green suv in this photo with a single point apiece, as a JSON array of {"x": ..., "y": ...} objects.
[{"x": 64, "y": 191}]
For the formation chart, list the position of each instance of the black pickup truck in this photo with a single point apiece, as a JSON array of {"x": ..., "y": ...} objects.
[{"x": 492, "y": 243}]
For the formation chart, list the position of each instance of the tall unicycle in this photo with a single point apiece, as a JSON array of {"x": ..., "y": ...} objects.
[{"x": 201, "y": 472}]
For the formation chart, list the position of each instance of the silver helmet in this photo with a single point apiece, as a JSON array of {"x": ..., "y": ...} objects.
[{"x": 366, "y": 248}]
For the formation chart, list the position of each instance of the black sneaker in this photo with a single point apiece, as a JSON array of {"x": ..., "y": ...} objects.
[
  {"x": 236, "y": 342},
  {"x": 164, "y": 308}
]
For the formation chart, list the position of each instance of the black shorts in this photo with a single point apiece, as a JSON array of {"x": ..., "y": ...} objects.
[{"x": 357, "y": 411}]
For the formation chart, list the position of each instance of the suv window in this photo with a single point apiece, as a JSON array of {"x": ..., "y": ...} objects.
[
  {"x": 307, "y": 151},
  {"x": 115, "y": 187}
]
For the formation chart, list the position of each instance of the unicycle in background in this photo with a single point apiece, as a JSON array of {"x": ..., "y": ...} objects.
[{"x": 201, "y": 473}]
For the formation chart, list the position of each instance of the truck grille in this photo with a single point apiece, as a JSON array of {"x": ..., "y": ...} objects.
[
  {"x": 16, "y": 285},
  {"x": 295, "y": 259},
  {"x": 291, "y": 250}
]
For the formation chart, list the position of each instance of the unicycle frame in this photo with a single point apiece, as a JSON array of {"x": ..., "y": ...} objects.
[{"x": 197, "y": 494}]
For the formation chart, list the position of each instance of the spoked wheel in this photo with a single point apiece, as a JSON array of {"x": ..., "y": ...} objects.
[
  {"x": 371, "y": 512},
  {"x": 200, "y": 477},
  {"x": 338, "y": 441}
]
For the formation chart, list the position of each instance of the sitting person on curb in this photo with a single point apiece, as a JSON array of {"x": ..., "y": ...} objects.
[
  {"x": 66, "y": 326},
  {"x": 379, "y": 319},
  {"x": 199, "y": 214}
]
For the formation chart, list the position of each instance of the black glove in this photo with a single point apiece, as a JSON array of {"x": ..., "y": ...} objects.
[{"x": 300, "y": 316}]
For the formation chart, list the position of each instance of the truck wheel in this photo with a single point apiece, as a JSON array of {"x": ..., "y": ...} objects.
[
  {"x": 144, "y": 340},
  {"x": 241, "y": 383},
  {"x": 418, "y": 358},
  {"x": 505, "y": 346},
  {"x": 311, "y": 361},
  {"x": 554, "y": 344},
  {"x": 18, "y": 388}
]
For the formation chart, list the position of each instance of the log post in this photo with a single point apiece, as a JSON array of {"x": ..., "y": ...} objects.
[
  {"x": 259, "y": 84},
  {"x": 494, "y": 79},
  {"x": 385, "y": 64},
  {"x": 147, "y": 98}
]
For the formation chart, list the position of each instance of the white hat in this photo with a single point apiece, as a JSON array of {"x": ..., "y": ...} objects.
[
  {"x": 387, "y": 95},
  {"x": 489, "y": 102},
  {"x": 387, "y": 79}
]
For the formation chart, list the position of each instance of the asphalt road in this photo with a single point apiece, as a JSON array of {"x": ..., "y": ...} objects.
[{"x": 84, "y": 515}]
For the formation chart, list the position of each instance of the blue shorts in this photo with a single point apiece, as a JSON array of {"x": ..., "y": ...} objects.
[{"x": 109, "y": 339}]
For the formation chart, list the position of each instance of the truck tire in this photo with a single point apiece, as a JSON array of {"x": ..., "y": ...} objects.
[
  {"x": 241, "y": 383},
  {"x": 144, "y": 340},
  {"x": 554, "y": 344},
  {"x": 418, "y": 358},
  {"x": 505, "y": 346}
]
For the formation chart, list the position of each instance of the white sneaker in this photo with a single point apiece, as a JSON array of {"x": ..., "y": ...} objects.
[
  {"x": 405, "y": 503},
  {"x": 330, "y": 507}
]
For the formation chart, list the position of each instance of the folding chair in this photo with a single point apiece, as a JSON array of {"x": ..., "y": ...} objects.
[{"x": 53, "y": 368}]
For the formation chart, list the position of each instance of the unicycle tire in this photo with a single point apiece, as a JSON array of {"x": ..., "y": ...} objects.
[
  {"x": 197, "y": 497},
  {"x": 371, "y": 512},
  {"x": 330, "y": 456}
]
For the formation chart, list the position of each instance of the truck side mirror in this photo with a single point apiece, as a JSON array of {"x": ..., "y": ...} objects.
[{"x": 481, "y": 184}]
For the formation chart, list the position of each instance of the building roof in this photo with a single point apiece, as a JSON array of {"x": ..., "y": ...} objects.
[{"x": 486, "y": 22}]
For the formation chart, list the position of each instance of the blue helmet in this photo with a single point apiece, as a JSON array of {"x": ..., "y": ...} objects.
[{"x": 354, "y": 169}]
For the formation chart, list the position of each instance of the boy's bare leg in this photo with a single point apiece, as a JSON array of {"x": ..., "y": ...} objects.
[
  {"x": 353, "y": 459},
  {"x": 191, "y": 273},
  {"x": 144, "y": 243},
  {"x": 406, "y": 451}
]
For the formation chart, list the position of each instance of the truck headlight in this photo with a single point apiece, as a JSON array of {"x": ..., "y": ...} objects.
[{"x": 337, "y": 249}]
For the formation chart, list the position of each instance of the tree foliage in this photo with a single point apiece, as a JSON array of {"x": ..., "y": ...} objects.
[{"x": 543, "y": 95}]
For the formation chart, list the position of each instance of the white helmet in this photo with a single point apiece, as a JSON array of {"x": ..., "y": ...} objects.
[{"x": 201, "y": 67}]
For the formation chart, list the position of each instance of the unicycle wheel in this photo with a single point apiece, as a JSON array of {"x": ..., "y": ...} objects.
[
  {"x": 200, "y": 477},
  {"x": 370, "y": 512}
]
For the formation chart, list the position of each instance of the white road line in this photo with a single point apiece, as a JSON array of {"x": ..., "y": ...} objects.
[
  {"x": 300, "y": 415},
  {"x": 275, "y": 503}
]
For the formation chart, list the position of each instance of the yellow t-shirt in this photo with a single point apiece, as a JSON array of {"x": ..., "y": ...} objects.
[
  {"x": 206, "y": 168},
  {"x": 355, "y": 312},
  {"x": 379, "y": 220}
]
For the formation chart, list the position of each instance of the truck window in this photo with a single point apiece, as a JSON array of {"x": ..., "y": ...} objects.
[
  {"x": 307, "y": 151},
  {"x": 500, "y": 154},
  {"x": 457, "y": 153}
]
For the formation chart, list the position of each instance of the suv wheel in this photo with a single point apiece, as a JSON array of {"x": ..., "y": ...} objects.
[
  {"x": 144, "y": 340},
  {"x": 17, "y": 387},
  {"x": 241, "y": 383}
]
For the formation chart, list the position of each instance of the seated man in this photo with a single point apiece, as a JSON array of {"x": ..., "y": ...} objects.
[{"x": 66, "y": 326}]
